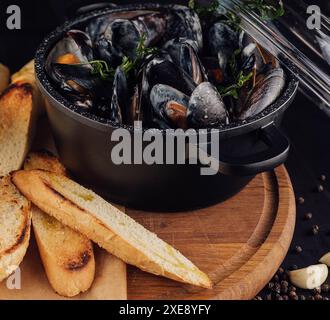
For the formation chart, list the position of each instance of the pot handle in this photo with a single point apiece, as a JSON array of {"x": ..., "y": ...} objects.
[{"x": 278, "y": 147}]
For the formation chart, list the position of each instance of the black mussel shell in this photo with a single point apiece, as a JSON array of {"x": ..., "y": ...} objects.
[{"x": 206, "y": 108}]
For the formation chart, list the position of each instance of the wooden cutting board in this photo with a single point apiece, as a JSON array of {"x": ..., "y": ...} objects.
[{"x": 240, "y": 243}]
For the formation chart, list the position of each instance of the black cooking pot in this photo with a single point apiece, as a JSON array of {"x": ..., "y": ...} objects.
[{"x": 83, "y": 141}]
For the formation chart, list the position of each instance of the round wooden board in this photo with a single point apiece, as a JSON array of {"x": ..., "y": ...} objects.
[{"x": 239, "y": 243}]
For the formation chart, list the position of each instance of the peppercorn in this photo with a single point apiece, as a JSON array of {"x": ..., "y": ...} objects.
[
  {"x": 285, "y": 297},
  {"x": 315, "y": 230},
  {"x": 317, "y": 291},
  {"x": 284, "y": 283},
  {"x": 318, "y": 297},
  {"x": 298, "y": 249},
  {"x": 280, "y": 271},
  {"x": 302, "y": 297},
  {"x": 284, "y": 289},
  {"x": 277, "y": 288},
  {"x": 308, "y": 216},
  {"x": 320, "y": 188},
  {"x": 301, "y": 200},
  {"x": 276, "y": 278},
  {"x": 292, "y": 295},
  {"x": 323, "y": 177},
  {"x": 270, "y": 285},
  {"x": 278, "y": 297},
  {"x": 268, "y": 297},
  {"x": 325, "y": 288},
  {"x": 310, "y": 298},
  {"x": 292, "y": 288}
]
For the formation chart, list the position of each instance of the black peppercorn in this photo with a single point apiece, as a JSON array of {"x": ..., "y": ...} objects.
[
  {"x": 308, "y": 216},
  {"x": 298, "y": 249},
  {"x": 292, "y": 288},
  {"x": 285, "y": 297},
  {"x": 320, "y": 188},
  {"x": 276, "y": 278},
  {"x": 315, "y": 230},
  {"x": 317, "y": 291},
  {"x": 284, "y": 283},
  {"x": 293, "y": 295},
  {"x": 302, "y": 297},
  {"x": 278, "y": 297},
  {"x": 318, "y": 297},
  {"x": 270, "y": 285},
  {"x": 323, "y": 177},
  {"x": 301, "y": 200},
  {"x": 280, "y": 271},
  {"x": 268, "y": 297},
  {"x": 325, "y": 288},
  {"x": 277, "y": 288}
]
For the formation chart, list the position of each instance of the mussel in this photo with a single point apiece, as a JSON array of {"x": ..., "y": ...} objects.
[
  {"x": 267, "y": 89},
  {"x": 184, "y": 53},
  {"x": 170, "y": 106},
  {"x": 206, "y": 107},
  {"x": 222, "y": 43}
]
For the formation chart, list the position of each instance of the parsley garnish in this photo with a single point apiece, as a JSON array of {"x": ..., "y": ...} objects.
[
  {"x": 102, "y": 69},
  {"x": 233, "y": 90}
]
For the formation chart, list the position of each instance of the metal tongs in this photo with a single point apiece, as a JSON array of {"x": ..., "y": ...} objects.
[{"x": 293, "y": 38}]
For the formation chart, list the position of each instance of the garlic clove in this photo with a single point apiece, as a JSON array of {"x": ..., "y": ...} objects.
[
  {"x": 326, "y": 259},
  {"x": 309, "y": 278}
]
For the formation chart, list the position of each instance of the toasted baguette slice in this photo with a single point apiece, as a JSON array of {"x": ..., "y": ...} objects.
[
  {"x": 4, "y": 77},
  {"x": 15, "y": 224},
  {"x": 17, "y": 126},
  {"x": 27, "y": 76},
  {"x": 67, "y": 255},
  {"x": 83, "y": 210}
]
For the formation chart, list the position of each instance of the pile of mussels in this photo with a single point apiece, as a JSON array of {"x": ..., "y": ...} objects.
[{"x": 167, "y": 67}]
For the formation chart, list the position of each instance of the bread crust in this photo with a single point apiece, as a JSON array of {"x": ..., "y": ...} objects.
[
  {"x": 67, "y": 255},
  {"x": 34, "y": 186},
  {"x": 12, "y": 256}
]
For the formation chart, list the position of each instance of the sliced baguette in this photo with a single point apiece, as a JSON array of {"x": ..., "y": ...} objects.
[
  {"x": 4, "y": 77},
  {"x": 17, "y": 125},
  {"x": 67, "y": 255},
  {"x": 15, "y": 224},
  {"x": 83, "y": 210},
  {"x": 27, "y": 75}
]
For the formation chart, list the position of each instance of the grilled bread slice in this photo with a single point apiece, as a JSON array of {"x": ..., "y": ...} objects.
[
  {"x": 15, "y": 224},
  {"x": 67, "y": 255},
  {"x": 17, "y": 125},
  {"x": 83, "y": 210},
  {"x": 27, "y": 75},
  {"x": 4, "y": 77}
]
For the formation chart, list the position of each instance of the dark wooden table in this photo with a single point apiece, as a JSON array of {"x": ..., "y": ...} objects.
[{"x": 305, "y": 124}]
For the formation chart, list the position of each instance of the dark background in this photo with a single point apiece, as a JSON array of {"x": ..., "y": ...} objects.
[{"x": 306, "y": 126}]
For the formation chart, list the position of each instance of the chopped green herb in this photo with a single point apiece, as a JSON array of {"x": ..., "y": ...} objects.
[
  {"x": 264, "y": 10},
  {"x": 233, "y": 90}
]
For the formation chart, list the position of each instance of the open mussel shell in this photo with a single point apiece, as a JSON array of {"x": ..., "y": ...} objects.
[
  {"x": 184, "y": 53},
  {"x": 184, "y": 23},
  {"x": 266, "y": 91},
  {"x": 162, "y": 71},
  {"x": 169, "y": 105},
  {"x": 119, "y": 108},
  {"x": 206, "y": 108},
  {"x": 222, "y": 42},
  {"x": 77, "y": 78}
]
